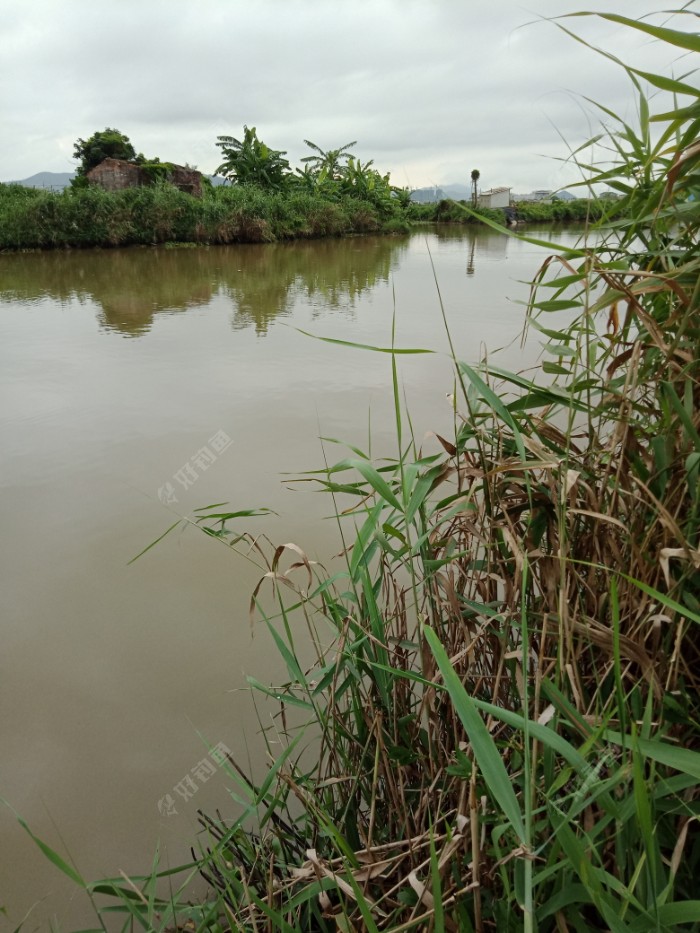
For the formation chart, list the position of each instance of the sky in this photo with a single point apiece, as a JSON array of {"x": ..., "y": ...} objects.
[{"x": 430, "y": 89}]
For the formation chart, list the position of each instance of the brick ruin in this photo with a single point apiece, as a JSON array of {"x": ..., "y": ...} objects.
[{"x": 117, "y": 174}]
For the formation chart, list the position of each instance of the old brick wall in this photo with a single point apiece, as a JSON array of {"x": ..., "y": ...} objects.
[
  {"x": 188, "y": 180},
  {"x": 115, "y": 175}
]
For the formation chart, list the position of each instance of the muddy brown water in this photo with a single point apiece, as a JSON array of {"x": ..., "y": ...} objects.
[{"x": 135, "y": 386}]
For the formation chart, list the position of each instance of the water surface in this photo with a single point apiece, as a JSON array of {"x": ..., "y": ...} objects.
[{"x": 135, "y": 386}]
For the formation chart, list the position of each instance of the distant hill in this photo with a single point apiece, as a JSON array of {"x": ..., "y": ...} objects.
[
  {"x": 437, "y": 193},
  {"x": 52, "y": 180},
  {"x": 464, "y": 193},
  {"x": 427, "y": 195},
  {"x": 57, "y": 181},
  {"x": 457, "y": 192}
]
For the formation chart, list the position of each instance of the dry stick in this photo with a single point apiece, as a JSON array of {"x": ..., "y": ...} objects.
[
  {"x": 476, "y": 849},
  {"x": 412, "y": 924},
  {"x": 373, "y": 806}
]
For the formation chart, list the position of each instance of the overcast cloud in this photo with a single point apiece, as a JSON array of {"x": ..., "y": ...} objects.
[{"x": 430, "y": 88}]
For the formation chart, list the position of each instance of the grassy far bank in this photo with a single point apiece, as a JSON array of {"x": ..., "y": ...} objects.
[
  {"x": 87, "y": 217},
  {"x": 83, "y": 217},
  {"x": 504, "y": 711},
  {"x": 580, "y": 210},
  {"x": 90, "y": 216},
  {"x": 334, "y": 194}
]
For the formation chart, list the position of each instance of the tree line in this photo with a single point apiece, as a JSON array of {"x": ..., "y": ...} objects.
[{"x": 250, "y": 161}]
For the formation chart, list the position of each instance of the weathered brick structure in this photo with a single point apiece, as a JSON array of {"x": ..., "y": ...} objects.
[
  {"x": 188, "y": 180},
  {"x": 116, "y": 175}
]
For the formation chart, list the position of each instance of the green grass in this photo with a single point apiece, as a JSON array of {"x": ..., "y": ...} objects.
[
  {"x": 501, "y": 727},
  {"x": 90, "y": 216},
  {"x": 580, "y": 210}
]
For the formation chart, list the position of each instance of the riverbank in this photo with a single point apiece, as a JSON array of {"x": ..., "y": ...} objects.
[
  {"x": 87, "y": 217},
  {"x": 579, "y": 210}
]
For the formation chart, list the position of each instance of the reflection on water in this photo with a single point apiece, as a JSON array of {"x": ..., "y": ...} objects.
[
  {"x": 478, "y": 247},
  {"x": 129, "y": 286},
  {"x": 329, "y": 274},
  {"x": 470, "y": 261},
  {"x": 262, "y": 281}
]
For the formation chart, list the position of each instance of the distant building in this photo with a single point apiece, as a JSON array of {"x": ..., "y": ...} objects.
[
  {"x": 541, "y": 194},
  {"x": 117, "y": 174},
  {"x": 427, "y": 195},
  {"x": 495, "y": 197}
]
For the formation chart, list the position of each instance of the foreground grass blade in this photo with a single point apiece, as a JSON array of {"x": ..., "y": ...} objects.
[
  {"x": 485, "y": 750},
  {"x": 50, "y": 854}
]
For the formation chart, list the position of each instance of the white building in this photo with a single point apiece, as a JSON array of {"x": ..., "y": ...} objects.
[
  {"x": 541, "y": 194},
  {"x": 495, "y": 197}
]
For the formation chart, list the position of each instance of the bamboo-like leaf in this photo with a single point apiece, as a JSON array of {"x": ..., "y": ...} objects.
[
  {"x": 680, "y": 410},
  {"x": 496, "y": 404},
  {"x": 157, "y": 541},
  {"x": 485, "y": 751},
  {"x": 365, "y": 346},
  {"x": 669, "y": 916},
  {"x": 50, "y": 854},
  {"x": 681, "y": 40},
  {"x": 680, "y": 759},
  {"x": 377, "y": 482},
  {"x": 284, "y": 696},
  {"x": 667, "y": 84}
]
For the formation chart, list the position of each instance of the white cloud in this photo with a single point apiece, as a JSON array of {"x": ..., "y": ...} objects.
[{"x": 429, "y": 88}]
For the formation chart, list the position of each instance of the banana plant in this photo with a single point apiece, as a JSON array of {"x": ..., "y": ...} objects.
[
  {"x": 331, "y": 160},
  {"x": 250, "y": 162}
]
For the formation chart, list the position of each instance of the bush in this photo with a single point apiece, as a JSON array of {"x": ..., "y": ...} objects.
[
  {"x": 504, "y": 713},
  {"x": 159, "y": 213}
]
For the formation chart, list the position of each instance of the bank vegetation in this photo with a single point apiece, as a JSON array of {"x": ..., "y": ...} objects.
[{"x": 150, "y": 215}]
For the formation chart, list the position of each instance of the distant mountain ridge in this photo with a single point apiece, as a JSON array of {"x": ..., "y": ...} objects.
[
  {"x": 52, "y": 180},
  {"x": 464, "y": 193},
  {"x": 57, "y": 181}
]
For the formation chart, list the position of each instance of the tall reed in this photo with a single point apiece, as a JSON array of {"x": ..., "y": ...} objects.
[
  {"x": 506, "y": 712},
  {"x": 160, "y": 213}
]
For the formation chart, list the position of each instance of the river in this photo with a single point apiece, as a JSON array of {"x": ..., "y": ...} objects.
[{"x": 135, "y": 386}]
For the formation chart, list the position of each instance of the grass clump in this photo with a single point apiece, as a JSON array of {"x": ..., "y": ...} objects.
[
  {"x": 500, "y": 731},
  {"x": 500, "y": 727},
  {"x": 90, "y": 216},
  {"x": 579, "y": 210}
]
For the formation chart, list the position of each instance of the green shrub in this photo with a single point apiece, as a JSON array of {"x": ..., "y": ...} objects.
[{"x": 159, "y": 213}]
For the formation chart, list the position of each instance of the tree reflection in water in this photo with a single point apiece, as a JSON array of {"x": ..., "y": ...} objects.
[{"x": 132, "y": 286}]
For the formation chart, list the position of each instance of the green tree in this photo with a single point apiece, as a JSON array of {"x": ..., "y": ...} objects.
[
  {"x": 105, "y": 144},
  {"x": 367, "y": 184},
  {"x": 476, "y": 175},
  {"x": 250, "y": 162},
  {"x": 330, "y": 160}
]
